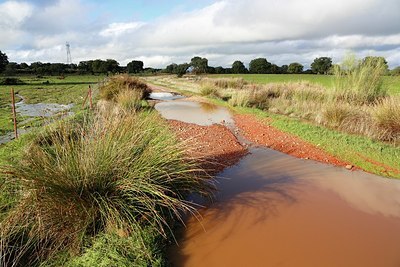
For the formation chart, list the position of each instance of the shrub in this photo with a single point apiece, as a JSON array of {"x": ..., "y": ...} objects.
[
  {"x": 259, "y": 99},
  {"x": 11, "y": 81},
  {"x": 120, "y": 83},
  {"x": 107, "y": 174}
]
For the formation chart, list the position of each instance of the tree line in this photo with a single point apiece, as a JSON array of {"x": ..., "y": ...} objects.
[
  {"x": 97, "y": 66},
  {"x": 197, "y": 65},
  {"x": 320, "y": 65}
]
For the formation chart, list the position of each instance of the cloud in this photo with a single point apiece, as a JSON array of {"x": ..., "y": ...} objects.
[{"x": 224, "y": 31}]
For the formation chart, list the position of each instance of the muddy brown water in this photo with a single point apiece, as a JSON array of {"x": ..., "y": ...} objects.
[
  {"x": 276, "y": 210},
  {"x": 194, "y": 112}
]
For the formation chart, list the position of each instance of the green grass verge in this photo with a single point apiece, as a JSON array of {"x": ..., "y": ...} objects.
[
  {"x": 391, "y": 82},
  {"x": 350, "y": 148}
]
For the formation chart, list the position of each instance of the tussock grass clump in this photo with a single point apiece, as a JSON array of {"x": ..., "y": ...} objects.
[
  {"x": 359, "y": 82},
  {"x": 120, "y": 83},
  {"x": 240, "y": 99},
  {"x": 209, "y": 90},
  {"x": 386, "y": 115},
  {"x": 334, "y": 114},
  {"x": 130, "y": 100},
  {"x": 225, "y": 83},
  {"x": 109, "y": 174}
]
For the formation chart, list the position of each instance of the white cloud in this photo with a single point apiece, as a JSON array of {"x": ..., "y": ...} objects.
[{"x": 227, "y": 30}]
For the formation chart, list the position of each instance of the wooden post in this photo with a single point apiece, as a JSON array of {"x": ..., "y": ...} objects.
[
  {"x": 90, "y": 97},
  {"x": 14, "y": 113},
  {"x": 84, "y": 101}
]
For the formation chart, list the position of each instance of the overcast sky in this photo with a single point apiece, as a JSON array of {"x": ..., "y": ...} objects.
[{"x": 160, "y": 32}]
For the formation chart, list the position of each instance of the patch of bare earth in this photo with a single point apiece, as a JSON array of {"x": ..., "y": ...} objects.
[
  {"x": 263, "y": 134},
  {"x": 215, "y": 144}
]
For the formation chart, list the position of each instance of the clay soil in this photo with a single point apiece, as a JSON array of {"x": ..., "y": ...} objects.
[
  {"x": 215, "y": 144},
  {"x": 263, "y": 134}
]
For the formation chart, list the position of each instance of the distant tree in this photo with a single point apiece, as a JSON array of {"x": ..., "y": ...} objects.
[
  {"x": 181, "y": 69},
  {"x": 275, "y": 69},
  {"x": 260, "y": 66},
  {"x": 199, "y": 64},
  {"x": 295, "y": 68},
  {"x": 210, "y": 70},
  {"x": 238, "y": 67},
  {"x": 3, "y": 61},
  {"x": 171, "y": 68},
  {"x": 135, "y": 66},
  {"x": 11, "y": 69},
  {"x": 321, "y": 65},
  {"x": 283, "y": 69},
  {"x": 112, "y": 65},
  {"x": 219, "y": 70},
  {"x": 375, "y": 61}
]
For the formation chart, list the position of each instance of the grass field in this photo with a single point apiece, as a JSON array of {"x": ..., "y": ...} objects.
[
  {"x": 51, "y": 89},
  {"x": 391, "y": 82}
]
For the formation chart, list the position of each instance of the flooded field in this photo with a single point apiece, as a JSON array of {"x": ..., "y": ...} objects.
[{"x": 276, "y": 210}]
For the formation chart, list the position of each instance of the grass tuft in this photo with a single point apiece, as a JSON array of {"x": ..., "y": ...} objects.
[{"x": 109, "y": 174}]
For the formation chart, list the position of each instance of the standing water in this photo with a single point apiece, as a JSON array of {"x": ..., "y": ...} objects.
[{"x": 276, "y": 210}]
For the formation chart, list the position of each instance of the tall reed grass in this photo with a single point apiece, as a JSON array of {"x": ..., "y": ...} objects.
[{"x": 359, "y": 82}]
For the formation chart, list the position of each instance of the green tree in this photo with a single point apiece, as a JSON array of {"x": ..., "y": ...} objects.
[
  {"x": 135, "y": 66},
  {"x": 181, "y": 69},
  {"x": 199, "y": 64},
  {"x": 295, "y": 68},
  {"x": 260, "y": 66},
  {"x": 283, "y": 69},
  {"x": 3, "y": 61},
  {"x": 321, "y": 65},
  {"x": 219, "y": 70},
  {"x": 238, "y": 67}
]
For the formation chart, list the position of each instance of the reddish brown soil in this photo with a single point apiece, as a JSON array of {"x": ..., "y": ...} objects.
[
  {"x": 385, "y": 168},
  {"x": 263, "y": 134},
  {"x": 215, "y": 144}
]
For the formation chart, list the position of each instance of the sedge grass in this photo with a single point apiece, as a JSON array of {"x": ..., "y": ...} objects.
[{"x": 112, "y": 173}]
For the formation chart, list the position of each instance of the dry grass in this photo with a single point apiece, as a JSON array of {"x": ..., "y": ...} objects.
[
  {"x": 386, "y": 115},
  {"x": 122, "y": 83}
]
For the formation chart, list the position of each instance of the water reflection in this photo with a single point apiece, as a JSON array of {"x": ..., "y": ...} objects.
[
  {"x": 277, "y": 210},
  {"x": 194, "y": 112},
  {"x": 164, "y": 96}
]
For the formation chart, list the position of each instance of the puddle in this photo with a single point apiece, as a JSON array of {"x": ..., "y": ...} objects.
[
  {"x": 11, "y": 136},
  {"x": 165, "y": 96},
  {"x": 41, "y": 109},
  {"x": 204, "y": 114},
  {"x": 35, "y": 110},
  {"x": 277, "y": 210}
]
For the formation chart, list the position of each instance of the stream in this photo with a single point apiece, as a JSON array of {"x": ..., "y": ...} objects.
[{"x": 273, "y": 209}]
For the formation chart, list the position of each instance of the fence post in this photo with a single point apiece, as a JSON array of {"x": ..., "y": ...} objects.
[{"x": 14, "y": 113}]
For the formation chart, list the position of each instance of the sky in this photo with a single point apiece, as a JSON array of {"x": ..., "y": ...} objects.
[{"x": 161, "y": 32}]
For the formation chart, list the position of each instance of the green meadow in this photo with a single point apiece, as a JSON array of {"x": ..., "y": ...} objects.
[{"x": 391, "y": 82}]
